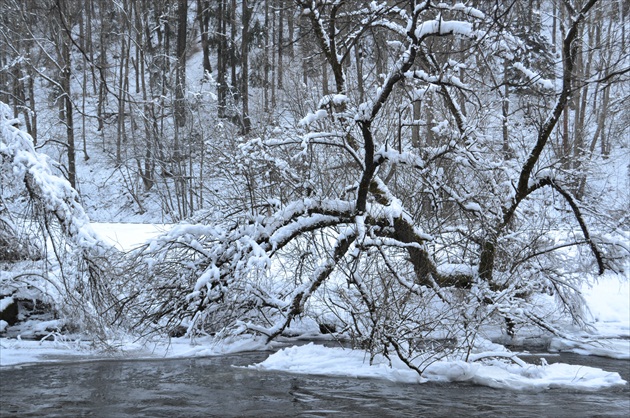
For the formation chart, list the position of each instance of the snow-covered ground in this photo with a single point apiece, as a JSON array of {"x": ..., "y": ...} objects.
[
  {"x": 608, "y": 301},
  {"x": 126, "y": 236},
  {"x": 496, "y": 373}
]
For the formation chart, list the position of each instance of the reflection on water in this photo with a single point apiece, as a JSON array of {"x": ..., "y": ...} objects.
[{"x": 206, "y": 387}]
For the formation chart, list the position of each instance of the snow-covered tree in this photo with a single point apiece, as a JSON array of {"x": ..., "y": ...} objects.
[
  {"x": 392, "y": 210},
  {"x": 49, "y": 215},
  {"x": 413, "y": 171}
]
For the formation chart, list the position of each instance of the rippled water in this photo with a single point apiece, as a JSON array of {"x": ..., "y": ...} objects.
[{"x": 206, "y": 387}]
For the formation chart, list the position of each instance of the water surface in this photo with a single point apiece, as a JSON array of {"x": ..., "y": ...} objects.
[{"x": 209, "y": 387}]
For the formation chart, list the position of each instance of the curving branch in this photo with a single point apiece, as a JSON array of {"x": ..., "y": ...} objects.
[
  {"x": 580, "y": 219},
  {"x": 570, "y": 53}
]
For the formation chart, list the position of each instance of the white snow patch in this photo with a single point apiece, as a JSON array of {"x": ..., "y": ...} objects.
[
  {"x": 608, "y": 301},
  {"x": 443, "y": 27},
  {"x": 5, "y": 302},
  {"x": 473, "y": 206},
  {"x": 533, "y": 77},
  {"x": 312, "y": 117},
  {"x": 127, "y": 236},
  {"x": 319, "y": 360},
  {"x": 613, "y": 348},
  {"x": 18, "y": 352}
]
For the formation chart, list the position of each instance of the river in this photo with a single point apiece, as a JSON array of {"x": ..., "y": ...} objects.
[{"x": 212, "y": 386}]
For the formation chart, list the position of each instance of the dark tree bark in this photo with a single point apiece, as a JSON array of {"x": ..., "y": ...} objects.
[
  {"x": 247, "y": 11},
  {"x": 523, "y": 188},
  {"x": 203, "y": 20},
  {"x": 180, "y": 73},
  {"x": 65, "y": 78},
  {"x": 232, "y": 47},
  {"x": 280, "y": 42},
  {"x": 222, "y": 53}
]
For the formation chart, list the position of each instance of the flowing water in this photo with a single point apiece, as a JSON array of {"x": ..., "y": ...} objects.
[{"x": 207, "y": 387}]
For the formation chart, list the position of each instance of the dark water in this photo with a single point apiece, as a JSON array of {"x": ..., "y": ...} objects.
[{"x": 207, "y": 387}]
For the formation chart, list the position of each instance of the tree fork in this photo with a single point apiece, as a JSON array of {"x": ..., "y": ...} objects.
[{"x": 488, "y": 248}]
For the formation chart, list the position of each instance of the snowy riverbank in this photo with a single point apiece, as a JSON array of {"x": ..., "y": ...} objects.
[
  {"x": 491, "y": 365},
  {"x": 608, "y": 303}
]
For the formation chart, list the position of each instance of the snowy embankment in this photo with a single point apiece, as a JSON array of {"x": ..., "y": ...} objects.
[
  {"x": 496, "y": 373},
  {"x": 492, "y": 365},
  {"x": 608, "y": 302}
]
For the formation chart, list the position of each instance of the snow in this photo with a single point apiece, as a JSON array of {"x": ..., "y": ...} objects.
[
  {"x": 335, "y": 361},
  {"x": 473, "y": 206},
  {"x": 608, "y": 300},
  {"x": 312, "y": 117},
  {"x": 336, "y": 99},
  {"x": 14, "y": 352},
  {"x": 533, "y": 77},
  {"x": 443, "y": 27},
  {"x": 127, "y": 236},
  {"x": 5, "y": 303},
  {"x": 471, "y": 11},
  {"x": 613, "y": 347},
  {"x": 21, "y": 352},
  {"x": 211, "y": 273}
]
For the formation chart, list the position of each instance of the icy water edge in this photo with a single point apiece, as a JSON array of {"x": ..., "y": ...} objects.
[{"x": 213, "y": 387}]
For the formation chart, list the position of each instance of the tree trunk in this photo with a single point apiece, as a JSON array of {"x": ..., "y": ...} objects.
[
  {"x": 280, "y": 42},
  {"x": 291, "y": 30},
  {"x": 273, "y": 59},
  {"x": 203, "y": 19},
  {"x": 33, "y": 111},
  {"x": 266, "y": 59},
  {"x": 416, "y": 114},
  {"x": 325, "y": 88},
  {"x": 505, "y": 111},
  {"x": 358, "y": 55},
  {"x": 232, "y": 48},
  {"x": 102, "y": 61},
  {"x": 222, "y": 58},
  {"x": 123, "y": 72},
  {"x": 180, "y": 73},
  {"x": 65, "y": 82},
  {"x": 147, "y": 174},
  {"x": 245, "y": 66}
]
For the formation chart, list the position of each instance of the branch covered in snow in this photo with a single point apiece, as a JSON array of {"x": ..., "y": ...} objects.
[
  {"x": 53, "y": 193},
  {"x": 88, "y": 275}
]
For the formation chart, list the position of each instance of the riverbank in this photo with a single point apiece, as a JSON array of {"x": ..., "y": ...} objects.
[{"x": 491, "y": 364}]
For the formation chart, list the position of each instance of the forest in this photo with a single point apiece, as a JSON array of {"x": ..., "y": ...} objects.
[{"x": 404, "y": 173}]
